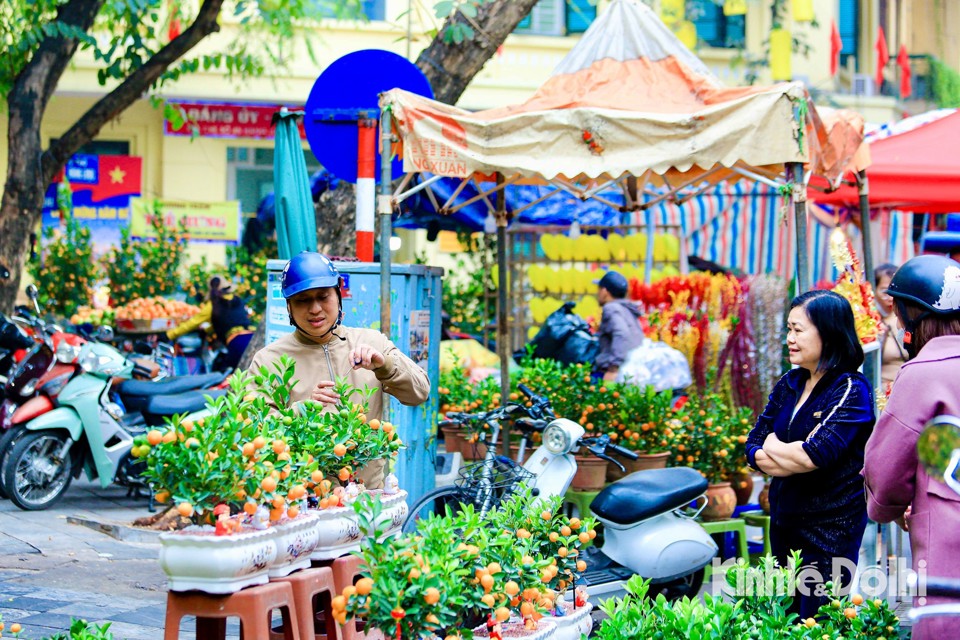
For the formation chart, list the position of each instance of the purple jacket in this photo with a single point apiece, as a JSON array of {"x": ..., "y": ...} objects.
[
  {"x": 619, "y": 333},
  {"x": 927, "y": 386}
]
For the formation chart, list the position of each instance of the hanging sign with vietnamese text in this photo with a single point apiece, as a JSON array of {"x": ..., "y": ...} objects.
[
  {"x": 203, "y": 221},
  {"x": 226, "y": 120}
]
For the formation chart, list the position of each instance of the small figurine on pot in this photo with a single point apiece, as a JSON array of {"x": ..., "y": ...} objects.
[{"x": 391, "y": 486}]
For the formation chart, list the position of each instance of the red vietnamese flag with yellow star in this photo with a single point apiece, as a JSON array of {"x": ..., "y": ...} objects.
[{"x": 102, "y": 187}]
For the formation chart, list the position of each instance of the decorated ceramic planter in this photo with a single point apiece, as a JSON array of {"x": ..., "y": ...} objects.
[
  {"x": 577, "y": 621},
  {"x": 296, "y": 539},
  {"x": 195, "y": 558},
  {"x": 513, "y": 628},
  {"x": 338, "y": 529}
]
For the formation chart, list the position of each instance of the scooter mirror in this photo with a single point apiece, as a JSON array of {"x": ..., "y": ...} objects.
[
  {"x": 32, "y": 292},
  {"x": 939, "y": 450},
  {"x": 105, "y": 333}
]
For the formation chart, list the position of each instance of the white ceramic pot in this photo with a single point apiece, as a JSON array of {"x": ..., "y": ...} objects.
[
  {"x": 513, "y": 628},
  {"x": 570, "y": 626},
  {"x": 195, "y": 558},
  {"x": 296, "y": 539},
  {"x": 339, "y": 531}
]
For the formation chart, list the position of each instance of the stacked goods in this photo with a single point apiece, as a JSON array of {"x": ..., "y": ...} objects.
[{"x": 153, "y": 314}]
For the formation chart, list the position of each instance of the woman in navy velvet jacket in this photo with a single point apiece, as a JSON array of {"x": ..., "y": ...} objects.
[{"x": 810, "y": 439}]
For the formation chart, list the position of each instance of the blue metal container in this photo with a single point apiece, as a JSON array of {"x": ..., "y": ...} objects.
[{"x": 415, "y": 329}]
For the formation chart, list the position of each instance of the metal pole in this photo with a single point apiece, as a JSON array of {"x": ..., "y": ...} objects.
[
  {"x": 798, "y": 194},
  {"x": 503, "y": 337},
  {"x": 366, "y": 186},
  {"x": 385, "y": 209},
  {"x": 651, "y": 231},
  {"x": 863, "y": 187}
]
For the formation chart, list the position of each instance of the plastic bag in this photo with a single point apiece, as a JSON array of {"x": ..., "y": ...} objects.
[
  {"x": 564, "y": 337},
  {"x": 657, "y": 364}
]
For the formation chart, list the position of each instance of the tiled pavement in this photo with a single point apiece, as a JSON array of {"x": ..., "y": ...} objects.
[{"x": 52, "y": 570}]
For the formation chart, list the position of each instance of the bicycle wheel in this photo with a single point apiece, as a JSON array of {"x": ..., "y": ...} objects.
[{"x": 435, "y": 501}]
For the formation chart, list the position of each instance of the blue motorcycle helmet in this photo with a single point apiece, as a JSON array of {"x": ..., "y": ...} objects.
[{"x": 311, "y": 270}]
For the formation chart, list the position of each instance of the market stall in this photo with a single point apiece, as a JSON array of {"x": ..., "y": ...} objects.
[{"x": 628, "y": 85}]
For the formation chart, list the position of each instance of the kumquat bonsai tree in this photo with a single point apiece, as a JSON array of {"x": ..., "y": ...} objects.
[{"x": 219, "y": 459}]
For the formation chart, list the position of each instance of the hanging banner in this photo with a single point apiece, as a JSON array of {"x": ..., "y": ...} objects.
[
  {"x": 672, "y": 11},
  {"x": 735, "y": 7},
  {"x": 227, "y": 120},
  {"x": 802, "y": 10},
  {"x": 102, "y": 187},
  {"x": 781, "y": 52},
  {"x": 204, "y": 221}
]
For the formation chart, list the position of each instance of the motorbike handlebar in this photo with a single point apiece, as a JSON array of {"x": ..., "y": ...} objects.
[
  {"x": 525, "y": 390},
  {"x": 622, "y": 452}
]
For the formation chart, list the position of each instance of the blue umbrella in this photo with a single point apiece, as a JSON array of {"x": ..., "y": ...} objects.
[{"x": 295, "y": 218}]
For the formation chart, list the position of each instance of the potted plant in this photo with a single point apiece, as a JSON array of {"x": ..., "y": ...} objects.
[
  {"x": 645, "y": 425},
  {"x": 711, "y": 440},
  {"x": 327, "y": 448},
  {"x": 559, "y": 540},
  {"x": 412, "y": 586},
  {"x": 211, "y": 471}
]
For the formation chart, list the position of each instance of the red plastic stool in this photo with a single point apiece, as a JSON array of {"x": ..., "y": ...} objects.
[
  {"x": 252, "y": 605},
  {"x": 346, "y": 571},
  {"x": 313, "y": 590}
]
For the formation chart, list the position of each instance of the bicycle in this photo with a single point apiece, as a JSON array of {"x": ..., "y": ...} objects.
[{"x": 487, "y": 483}]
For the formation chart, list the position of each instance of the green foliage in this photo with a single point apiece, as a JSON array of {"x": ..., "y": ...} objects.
[
  {"x": 753, "y": 613},
  {"x": 946, "y": 84},
  {"x": 64, "y": 269},
  {"x": 83, "y": 630},
  {"x": 469, "y": 286},
  {"x": 144, "y": 268},
  {"x": 712, "y": 433}
]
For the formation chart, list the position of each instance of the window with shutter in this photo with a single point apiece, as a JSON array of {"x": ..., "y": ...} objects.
[
  {"x": 372, "y": 9},
  {"x": 848, "y": 24},
  {"x": 545, "y": 19},
  {"x": 580, "y": 15},
  {"x": 714, "y": 28}
]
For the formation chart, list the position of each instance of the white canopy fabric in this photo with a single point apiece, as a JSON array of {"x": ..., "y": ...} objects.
[{"x": 629, "y": 100}]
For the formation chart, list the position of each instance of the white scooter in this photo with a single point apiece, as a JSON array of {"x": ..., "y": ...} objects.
[{"x": 648, "y": 528}]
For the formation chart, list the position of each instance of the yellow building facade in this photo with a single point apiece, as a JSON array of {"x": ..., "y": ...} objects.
[{"x": 213, "y": 169}]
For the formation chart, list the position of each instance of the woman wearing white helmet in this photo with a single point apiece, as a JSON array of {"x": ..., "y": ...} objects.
[
  {"x": 324, "y": 349},
  {"x": 926, "y": 293}
]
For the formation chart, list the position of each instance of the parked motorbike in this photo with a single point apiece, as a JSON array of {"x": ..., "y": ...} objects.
[
  {"x": 14, "y": 343},
  {"x": 649, "y": 529},
  {"x": 89, "y": 430}
]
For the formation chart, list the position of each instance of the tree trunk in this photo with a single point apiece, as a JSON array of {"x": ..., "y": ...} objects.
[
  {"x": 449, "y": 68},
  {"x": 30, "y": 168}
]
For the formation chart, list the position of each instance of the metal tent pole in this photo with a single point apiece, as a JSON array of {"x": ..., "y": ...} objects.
[
  {"x": 385, "y": 209},
  {"x": 502, "y": 334},
  {"x": 863, "y": 186},
  {"x": 798, "y": 194}
]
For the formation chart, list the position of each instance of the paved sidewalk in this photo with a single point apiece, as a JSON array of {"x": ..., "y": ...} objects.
[{"x": 53, "y": 568}]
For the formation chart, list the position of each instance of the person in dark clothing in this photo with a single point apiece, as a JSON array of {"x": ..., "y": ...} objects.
[
  {"x": 620, "y": 330},
  {"x": 227, "y": 314},
  {"x": 810, "y": 438}
]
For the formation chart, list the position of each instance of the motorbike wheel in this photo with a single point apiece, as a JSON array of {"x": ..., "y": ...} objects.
[
  {"x": 687, "y": 586},
  {"x": 34, "y": 476},
  {"x": 433, "y": 502},
  {"x": 6, "y": 445}
]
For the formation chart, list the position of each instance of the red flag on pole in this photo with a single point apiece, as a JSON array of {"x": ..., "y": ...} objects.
[
  {"x": 836, "y": 45},
  {"x": 883, "y": 56},
  {"x": 903, "y": 61}
]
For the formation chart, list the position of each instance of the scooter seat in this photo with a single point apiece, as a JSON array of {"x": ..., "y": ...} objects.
[
  {"x": 171, "y": 405},
  {"x": 647, "y": 493},
  {"x": 167, "y": 386}
]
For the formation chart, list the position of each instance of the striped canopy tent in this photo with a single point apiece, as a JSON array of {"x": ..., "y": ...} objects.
[{"x": 629, "y": 106}]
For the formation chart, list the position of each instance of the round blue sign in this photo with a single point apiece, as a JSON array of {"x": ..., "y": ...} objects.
[{"x": 349, "y": 87}]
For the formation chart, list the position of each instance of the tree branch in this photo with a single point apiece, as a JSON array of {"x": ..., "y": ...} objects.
[{"x": 130, "y": 90}]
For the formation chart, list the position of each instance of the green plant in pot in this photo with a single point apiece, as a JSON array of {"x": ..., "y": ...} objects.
[
  {"x": 412, "y": 586},
  {"x": 327, "y": 446},
  {"x": 645, "y": 419},
  {"x": 200, "y": 464}
]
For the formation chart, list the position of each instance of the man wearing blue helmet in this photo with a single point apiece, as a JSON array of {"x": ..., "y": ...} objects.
[{"x": 324, "y": 349}]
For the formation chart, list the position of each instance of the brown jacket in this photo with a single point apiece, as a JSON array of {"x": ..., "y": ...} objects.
[{"x": 399, "y": 376}]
